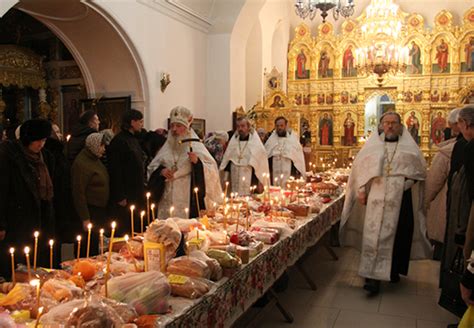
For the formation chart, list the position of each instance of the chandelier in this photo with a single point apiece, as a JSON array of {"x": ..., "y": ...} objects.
[
  {"x": 383, "y": 54},
  {"x": 308, "y": 8}
]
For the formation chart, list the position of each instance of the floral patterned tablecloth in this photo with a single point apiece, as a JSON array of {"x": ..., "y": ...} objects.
[{"x": 233, "y": 296}]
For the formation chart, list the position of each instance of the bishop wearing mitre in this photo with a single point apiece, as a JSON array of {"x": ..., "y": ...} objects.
[
  {"x": 183, "y": 170},
  {"x": 285, "y": 153},
  {"x": 245, "y": 159}
]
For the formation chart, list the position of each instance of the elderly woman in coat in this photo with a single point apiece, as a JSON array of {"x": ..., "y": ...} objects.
[{"x": 436, "y": 184}]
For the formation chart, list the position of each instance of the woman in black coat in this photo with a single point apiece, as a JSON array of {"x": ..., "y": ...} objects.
[{"x": 26, "y": 194}]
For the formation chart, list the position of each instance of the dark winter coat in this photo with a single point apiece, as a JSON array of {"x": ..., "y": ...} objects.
[
  {"x": 77, "y": 141},
  {"x": 126, "y": 169}
]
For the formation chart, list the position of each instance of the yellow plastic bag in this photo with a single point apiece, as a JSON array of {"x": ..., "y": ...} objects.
[{"x": 467, "y": 320}]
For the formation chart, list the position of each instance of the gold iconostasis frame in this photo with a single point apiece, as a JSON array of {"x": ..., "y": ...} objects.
[{"x": 339, "y": 89}]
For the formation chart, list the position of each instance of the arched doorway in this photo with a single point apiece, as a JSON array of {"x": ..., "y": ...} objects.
[
  {"x": 87, "y": 55},
  {"x": 375, "y": 107}
]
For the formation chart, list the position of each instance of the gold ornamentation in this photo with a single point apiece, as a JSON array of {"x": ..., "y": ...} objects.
[{"x": 21, "y": 67}]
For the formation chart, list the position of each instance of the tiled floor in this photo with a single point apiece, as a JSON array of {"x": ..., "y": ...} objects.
[{"x": 340, "y": 301}]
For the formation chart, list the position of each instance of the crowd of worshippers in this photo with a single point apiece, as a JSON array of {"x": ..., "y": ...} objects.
[
  {"x": 396, "y": 210},
  {"x": 59, "y": 186}
]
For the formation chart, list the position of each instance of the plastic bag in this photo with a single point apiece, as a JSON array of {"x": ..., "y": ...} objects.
[
  {"x": 55, "y": 291},
  {"x": 189, "y": 266},
  {"x": 213, "y": 264},
  {"x": 467, "y": 320},
  {"x": 186, "y": 225},
  {"x": 225, "y": 259},
  {"x": 166, "y": 232},
  {"x": 147, "y": 292},
  {"x": 188, "y": 287}
]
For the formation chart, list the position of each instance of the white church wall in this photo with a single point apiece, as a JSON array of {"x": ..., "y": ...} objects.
[
  {"x": 253, "y": 67},
  {"x": 166, "y": 45}
]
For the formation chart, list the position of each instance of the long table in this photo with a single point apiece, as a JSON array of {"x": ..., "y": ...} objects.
[{"x": 232, "y": 296}]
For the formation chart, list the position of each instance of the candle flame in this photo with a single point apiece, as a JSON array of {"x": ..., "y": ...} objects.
[
  {"x": 12, "y": 250},
  {"x": 113, "y": 225},
  {"x": 142, "y": 214},
  {"x": 186, "y": 210},
  {"x": 101, "y": 231},
  {"x": 27, "y": 250},
  {"x": 51, "y": 242},
  {"x": 89, "y": 226},
  {"x": 34, "y": 282},
  {"x": 79, "y": 238},
  {"x": 126, "y": 238},
  {"x": 196, "y": 190},
  {"x": 36, "y": 234},
  {"x": 132, "y": 207},
  {"x": 148, "y": 195}
]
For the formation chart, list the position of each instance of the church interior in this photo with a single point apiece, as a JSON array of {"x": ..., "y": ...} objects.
[{"x": 332, "y": 73}]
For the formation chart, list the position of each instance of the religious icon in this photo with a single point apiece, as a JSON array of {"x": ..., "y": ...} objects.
[
  {"x": 437, "y": 128},
  {"x": 415, "y": 54},
  {"x": 329, "y": 99},
  {"x": 445, "y": 96},
  {"x": 348, "y": 63},
  {"x": 418, "y": 96},
  {"x": 468, "y": 64},
  {"x": 305, "y": 137},
  {"x": 407, "y": 96},
  {"x": 435, "y": 96},
  {"x": 349, "y": 126},
  {"x": 277, "y": 102},
  {"x": 442, "y": 54},
  {"x": 306, "y": 99},
  {"x": 324, "y": 65},
  {"x": 344, "y": 97},
  {"x": 301, "y": 71},
  {"x": 320, "y": 98},
  {"x": 298, "y": 99},
  {"x": 413, "y": 126},
  {"x": 353, "y": 98},
  {"x": 273, "y": 82},
  {"x": 325, "y": 130}
]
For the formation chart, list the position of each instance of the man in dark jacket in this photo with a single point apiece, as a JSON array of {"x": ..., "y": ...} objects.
[
  {"x": 126, "y": 169},
  {"x": 26, "y": 193},
  {"x": 88, "y": 123}
]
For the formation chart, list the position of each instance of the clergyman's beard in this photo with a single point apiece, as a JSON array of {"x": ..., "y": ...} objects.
[
  {"x": 281, "y": 134},
  {"x": 175, "y": 144},
  {"x": 391, "y": 137}
]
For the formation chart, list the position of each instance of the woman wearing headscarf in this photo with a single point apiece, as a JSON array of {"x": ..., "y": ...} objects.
[
  {"x": 90, "y": 184},
  {"x": 26, "y": 192}
]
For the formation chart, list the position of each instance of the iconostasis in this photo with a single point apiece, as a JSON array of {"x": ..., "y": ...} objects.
[{"x": 334, "y": 100}]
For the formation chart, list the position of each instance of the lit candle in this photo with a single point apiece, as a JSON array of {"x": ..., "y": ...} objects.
[
  {"x": 89, "y": 231},
  {"x": 35, "y": 251},
  {"x": 171, "y": 211},
  {"x": 132, "y": 209},
  {"x": 101, "y": 241},
  {"x": 247, "y": 214},
  {"x": 186, "y": 210},
  {"x": 36, "y": 283},
  {"x": 196, "y": 190},
  {"x": 28, "y": 267},
  {"x": 142, "y": 214},
  {"x": 152, "y": 211},
  {"x": 226, "y": 211},
  {"x": 51, "y": 244},
  {"x": 226, "y": 188},
  {"x": 40, "y": 313},
  {"x": 148, "y": 195},
  {"x": 12, "y": 253},
  {"x": 275, "y": 181},
  {"x": 78, "y": 238},
  {"x": 281, "y": 180},
  {"x": 109, "y": 257}
]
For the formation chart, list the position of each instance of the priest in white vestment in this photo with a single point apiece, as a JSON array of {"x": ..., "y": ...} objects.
[
  {"x": 285, "y": 153},
  {"x": 180, "y": 167},
  {"x": 383, "y": 210},
  {"x": 245, "y": 159}
]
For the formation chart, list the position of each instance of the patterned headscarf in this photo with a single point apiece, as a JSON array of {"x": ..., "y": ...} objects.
[{"x": 93, "y": 143}]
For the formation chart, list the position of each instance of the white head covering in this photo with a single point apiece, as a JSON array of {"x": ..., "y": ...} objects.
[
  {"x": 181, "y": 115},
  {"x": 93, "y": 143}
]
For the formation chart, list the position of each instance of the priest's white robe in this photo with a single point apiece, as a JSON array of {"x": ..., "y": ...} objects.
[
  {"x": 244, "y": 156},
  {"x": 177, "y": 191},
  {"x": 372, "y": 228},
  {"x": 285, "y": 151}
]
